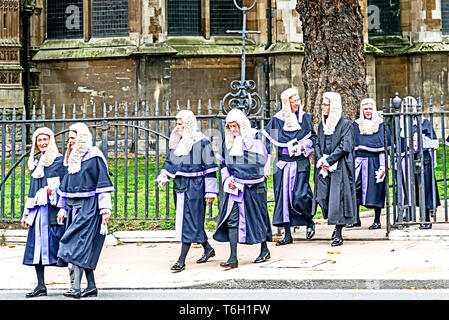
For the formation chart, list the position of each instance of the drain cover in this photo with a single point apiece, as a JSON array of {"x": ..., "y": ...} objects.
[{"x": 300, "y": 263}]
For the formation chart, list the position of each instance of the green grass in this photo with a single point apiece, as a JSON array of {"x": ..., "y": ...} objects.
[{"x": 153, "y": 218}]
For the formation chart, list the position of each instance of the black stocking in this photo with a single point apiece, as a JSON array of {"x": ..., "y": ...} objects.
[{"x": 184, "y": 250}]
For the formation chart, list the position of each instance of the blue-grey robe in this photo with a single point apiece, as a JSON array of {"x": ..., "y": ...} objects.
[
  {"x": 44, "y": 233},
  {"x": 291, "y": 174},
  {"x": 370, "y": 156},
  {"x": 254, "y": 222},
  {"x": 84, "y": 195},
  {"x": 194, "y": 176},
  {"x": 335, "y": 193},
  {"x": 429, "y": 155}
]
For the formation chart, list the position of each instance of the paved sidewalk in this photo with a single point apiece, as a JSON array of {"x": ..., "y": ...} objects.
[{"x": 366, "y": 260}]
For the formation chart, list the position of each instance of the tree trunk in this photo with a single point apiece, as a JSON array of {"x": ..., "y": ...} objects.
[{"x": 334, "y": 54}]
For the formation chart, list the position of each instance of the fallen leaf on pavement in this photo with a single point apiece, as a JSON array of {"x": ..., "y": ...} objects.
[
  {"x": 413, "y": 288},
  {"x": 49, "y": 283},
  {"x": 12, "y": 246},
  {"x": 139, "y": 244},
  {"x": 333, "y": 261}
]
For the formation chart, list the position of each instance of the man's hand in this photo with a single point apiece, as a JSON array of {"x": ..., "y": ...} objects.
[
  {"x": 232, "y": 185},
  {"x": 60, "y": 219},
  {"x": 210, "y": 200},
  {"x": 23, "y": 222},
  {"x": 105, "y": 216},
  {"x": 161, "y": 180},
  {"x": 266, "y": 172}
]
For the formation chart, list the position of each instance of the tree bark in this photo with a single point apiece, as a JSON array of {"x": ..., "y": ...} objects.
[{"x": 334, "y": 54}]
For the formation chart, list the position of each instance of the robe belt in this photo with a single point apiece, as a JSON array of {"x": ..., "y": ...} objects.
[
  {"x": 367, "y": 154},
  {"x": 287, "y": 158}
]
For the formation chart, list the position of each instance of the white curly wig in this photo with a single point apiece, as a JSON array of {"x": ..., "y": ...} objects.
[
  {"x": 82, "y": 144},
  {"x": 236, "y": 115},
  {"x": 368, "y": 127},
  {"x": 291, "y": 123},
  {"x": 50, "y": 154},
  {"x": 334, "y": 113},
  {"x": 190, "y": 128}
]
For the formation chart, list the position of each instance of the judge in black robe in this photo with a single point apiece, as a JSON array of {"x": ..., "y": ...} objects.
[
  {"x": 244, "y": 215},
  {"x": 40, "y": 210},
  {"x": 192, "y": 165},
  {"x": 334, "y": 169},
  {"x": 86, "y": 197},
  {"x": 370, "y": 161},
  {"x": 291, "y": 132}
]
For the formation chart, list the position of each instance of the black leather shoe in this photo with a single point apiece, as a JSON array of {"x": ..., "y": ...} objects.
[
  {"x": 284, "y": 242},
  {"x": 206, "y": 256},
  {"x": 310, "y": 232},
  {"x": 177, "y": 267},
  {"x": 374, "y": 226},
  {"x": 337, "y": 242},
  {"x": 333, "y": 234},
  {"x": 425, "y": 226},
  {"x": 229, "y": 264},
  {"x": 89, "y": 293},
  {"x": 73, "y": 293},
  {"x": 263, "y": 257},
  {"x": 37, "y": 292}
]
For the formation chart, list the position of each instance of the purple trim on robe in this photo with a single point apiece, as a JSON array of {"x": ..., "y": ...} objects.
[
  {"x": 248, "y": 182},
  {"x": 242, "y": 218},
  {"x": 288, "y": 183},
  {"x": 41, "y": 226},
  {"x": 85, "y": 194},
  {"x": 74, "y": 214},
  {"x": 189, "y": 174},
  {"x": 369, "y": 149},
  {"x": 273, "y": 141},
  {"x": 361, "y": 164},
  {"x": 257, "y": 147},
  {"x": 220, "y": 158},
  {"x": 94, "y": 152},
  {"x": 61, "y": 201},
  {"x": 308, "y": 147},
  {"x": 224, "y": 174},
  {"x": 210, "y": 185},
  {"x": 104, "y": 201},
  {"x": 382, "y": 159},
  {"x": 180, "y": 197}
]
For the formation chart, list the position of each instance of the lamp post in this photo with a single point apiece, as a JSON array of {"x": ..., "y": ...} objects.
[
  {"x": 248, "y": 102},
  {"x": 27, "y": 8}
]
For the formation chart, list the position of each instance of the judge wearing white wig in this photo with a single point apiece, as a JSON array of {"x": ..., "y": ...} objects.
[
  {"x": 334, "y": 168},
  {"x": 291, "y": 132},
  {"x": 370, "y": 161},
  {"x": 192, "y": 165},
  {"x": 86, "y": 199},
  {"x": 40, "y": 212},
  {"x": 244, "y": 215}
]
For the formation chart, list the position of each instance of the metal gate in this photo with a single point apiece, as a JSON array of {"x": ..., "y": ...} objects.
[
  {"x": 134, "y": 139},
  {"x": 417, "y": 162}
]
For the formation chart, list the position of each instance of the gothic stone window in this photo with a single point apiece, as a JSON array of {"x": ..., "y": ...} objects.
[
  {"x": 224, "y": 16},
  {"x": 107, "y": 18},
  {"x": 445, "y": 17},
  {"x": 186, "y": 17},
  {"x": 64, "y": 19},
  {"x": 384, "y": 18}
]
